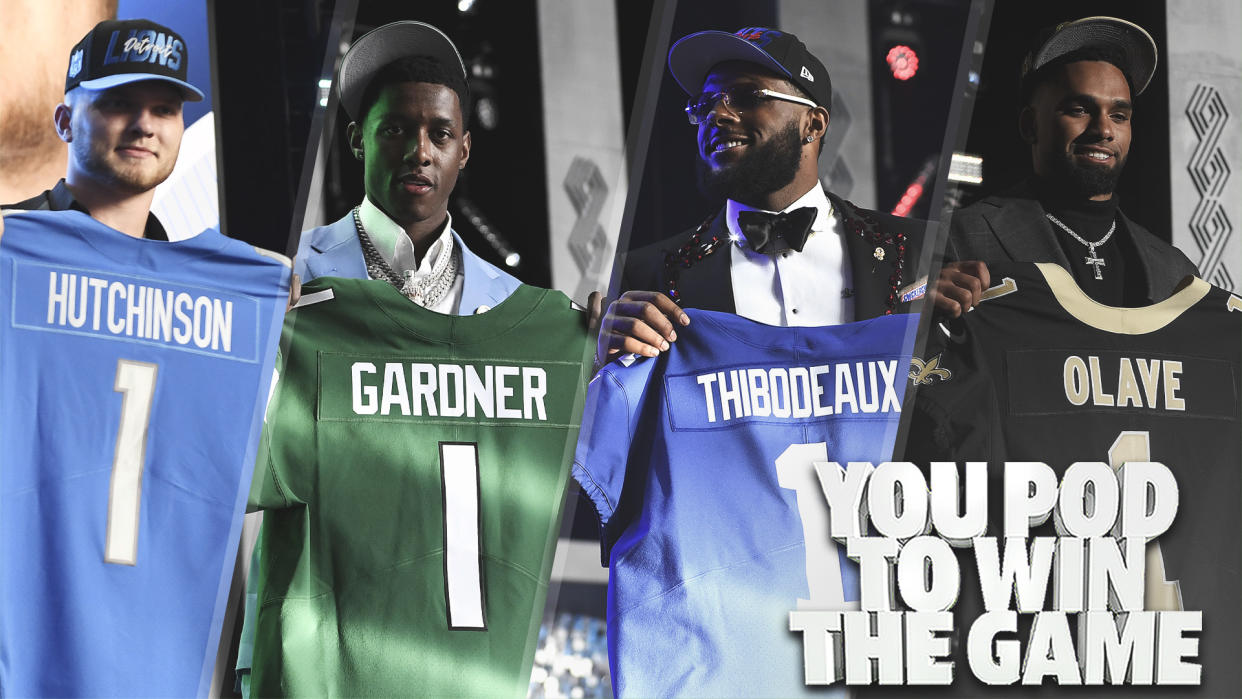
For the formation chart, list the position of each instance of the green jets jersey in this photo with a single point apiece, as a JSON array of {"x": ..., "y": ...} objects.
[{"x": 413, "y": 469}]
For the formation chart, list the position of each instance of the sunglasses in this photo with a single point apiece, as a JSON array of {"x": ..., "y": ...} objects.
[{"x": 736, "y": 100}]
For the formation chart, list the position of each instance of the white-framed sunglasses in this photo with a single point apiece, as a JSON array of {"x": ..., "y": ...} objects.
[{"x": 737, "y": 100}]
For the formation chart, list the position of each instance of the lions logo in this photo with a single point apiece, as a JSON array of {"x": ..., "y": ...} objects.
[
  {"x": 921, "y": 372},
  {"x": 75, "y": 63}
]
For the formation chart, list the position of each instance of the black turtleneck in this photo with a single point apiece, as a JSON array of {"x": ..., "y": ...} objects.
[{"x": 1123, "y": 282}]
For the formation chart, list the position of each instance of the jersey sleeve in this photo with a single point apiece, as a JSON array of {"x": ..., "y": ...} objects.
[
  {"x": 608, "y": 426},
  {"x": 265, "y": 489}
]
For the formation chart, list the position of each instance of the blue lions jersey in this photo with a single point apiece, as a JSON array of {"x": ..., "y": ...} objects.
[
  {"x": 133, "y": 375},
  {"x": 701, "y": 466}
]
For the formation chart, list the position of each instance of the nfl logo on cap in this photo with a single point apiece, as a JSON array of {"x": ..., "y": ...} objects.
[{"x": 75, "y": 63}]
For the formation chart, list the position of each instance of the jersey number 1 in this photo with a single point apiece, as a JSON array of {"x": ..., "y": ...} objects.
[
  {"x": 463, "y": 574},
  {"x": 795, "y": 470},
  {"x": 135, "y": 381}
]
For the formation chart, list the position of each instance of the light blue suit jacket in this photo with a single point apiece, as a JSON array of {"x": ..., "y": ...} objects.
[{"x": 334, "y": 251}]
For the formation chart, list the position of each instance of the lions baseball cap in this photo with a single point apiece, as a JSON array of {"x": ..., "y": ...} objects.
[
  {"x": 692, "y": 58},
  {"x": 120, "y": 51},
  {"x": 383, "y": 45},
  {"x": 1130, "y": 41}
]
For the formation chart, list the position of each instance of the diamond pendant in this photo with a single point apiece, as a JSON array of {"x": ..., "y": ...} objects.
[{"x": 1096, "y": 262}]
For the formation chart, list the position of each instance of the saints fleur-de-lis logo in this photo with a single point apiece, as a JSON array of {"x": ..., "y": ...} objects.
[{"x": 921, "y": 372}]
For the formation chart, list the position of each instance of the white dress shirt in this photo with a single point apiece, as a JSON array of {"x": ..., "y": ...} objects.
[
  {"x": 789, "y": 287},
  {"x": 397, "y": 250}
]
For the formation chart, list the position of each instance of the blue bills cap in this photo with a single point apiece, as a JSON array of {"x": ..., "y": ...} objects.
[{"x": 117, "y": 52}]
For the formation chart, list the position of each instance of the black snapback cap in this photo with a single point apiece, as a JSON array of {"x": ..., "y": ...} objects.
[
  {"x": 692, "y": 58},
  {"x": 383, "y": 45},
  {"x": 121, "y": 51}
]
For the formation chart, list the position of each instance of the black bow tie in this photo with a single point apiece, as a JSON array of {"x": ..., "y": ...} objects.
[{"x": 763, "y": 229}]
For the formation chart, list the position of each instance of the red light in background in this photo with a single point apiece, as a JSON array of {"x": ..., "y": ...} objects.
[
  {"x": 903, "y": 61},
  {"x": 916, "y": 190}
]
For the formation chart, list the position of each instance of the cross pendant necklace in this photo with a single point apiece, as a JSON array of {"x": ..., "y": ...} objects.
[{"x": 1091, "y": 258}]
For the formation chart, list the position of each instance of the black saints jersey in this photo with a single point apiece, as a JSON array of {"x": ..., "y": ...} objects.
[{"x": 1040, "y": 372}]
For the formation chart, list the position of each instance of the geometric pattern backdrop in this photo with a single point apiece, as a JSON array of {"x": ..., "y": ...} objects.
[
  {"x": 1203, "y": 58},
  {"x": 1210, "y": 227}
]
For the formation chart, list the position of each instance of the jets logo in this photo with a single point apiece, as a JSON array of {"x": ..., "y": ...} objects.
[{"x": 922, "y": 372}]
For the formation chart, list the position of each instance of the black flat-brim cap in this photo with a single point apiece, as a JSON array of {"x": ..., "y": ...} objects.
[
  {"x": 1134, "y": 43},
  {"x": 692, "y": 57},
  {"x": 383, "y": 45}
]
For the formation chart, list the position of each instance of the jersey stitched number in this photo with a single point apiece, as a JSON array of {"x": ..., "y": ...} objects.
[
  {"x": 795, "y": 470},
  {"x": 1160, "y": 593},
  {"x": 135, "y": 381},
  {"x": 463, "y": 573}
]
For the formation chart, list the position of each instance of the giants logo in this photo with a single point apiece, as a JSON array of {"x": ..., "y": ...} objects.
[{"x": 759, "y": 36}]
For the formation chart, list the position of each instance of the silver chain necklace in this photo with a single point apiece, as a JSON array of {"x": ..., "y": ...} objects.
[
  {"x": 1091, "y": 259},
  {"x": 426, "y": 292}
]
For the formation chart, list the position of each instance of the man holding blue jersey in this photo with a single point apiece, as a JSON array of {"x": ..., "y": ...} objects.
[
  {"x": 782, "y": 250},
  {"x": 156, "y": 357}
]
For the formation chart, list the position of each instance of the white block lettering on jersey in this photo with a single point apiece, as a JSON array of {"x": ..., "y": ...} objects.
[
  {"x": 816, "y": 372},
  {"x": 798, "y": 392},
  {"x": 480, "y": 392},
  {"x": 504, "y": 391},
  {"x": 422, "y": 388},
  {"x": 395, "y": 392},
  {"x": 450, "y": 390},
  {"x": 136, "y": 310},
  {"x": 365, "y": 397},
  {"x": 534, "y": 389}
]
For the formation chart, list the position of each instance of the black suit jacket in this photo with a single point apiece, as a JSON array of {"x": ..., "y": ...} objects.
[
  {"x": 59, "y": 198},
  {"x": 707, "y": 284},
  {"x": 1011, "y": 227}
]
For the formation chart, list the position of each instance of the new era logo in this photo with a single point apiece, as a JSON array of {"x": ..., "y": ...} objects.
[
  {"x": 75, "y": 63},
  {"x": 807, "y": 74}
]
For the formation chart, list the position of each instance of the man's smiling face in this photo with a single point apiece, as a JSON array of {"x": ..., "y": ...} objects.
[
  {"x": 126, "y": 137},
  {"x": 1078, "y": 125},
  {"x": 748, "y": 153}
]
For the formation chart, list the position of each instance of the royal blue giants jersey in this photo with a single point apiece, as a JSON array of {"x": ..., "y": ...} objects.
[
  {"x": 133, "y": 375},
  {"x": 701, "y": 466}
]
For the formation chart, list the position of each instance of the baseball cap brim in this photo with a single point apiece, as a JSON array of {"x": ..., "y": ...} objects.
[
  {"x": 1129, "y": 38},
  {"x": 383, "y": 45},
  {"x": 692, "y": 57},
  {"x": 191, "y": 93}
]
